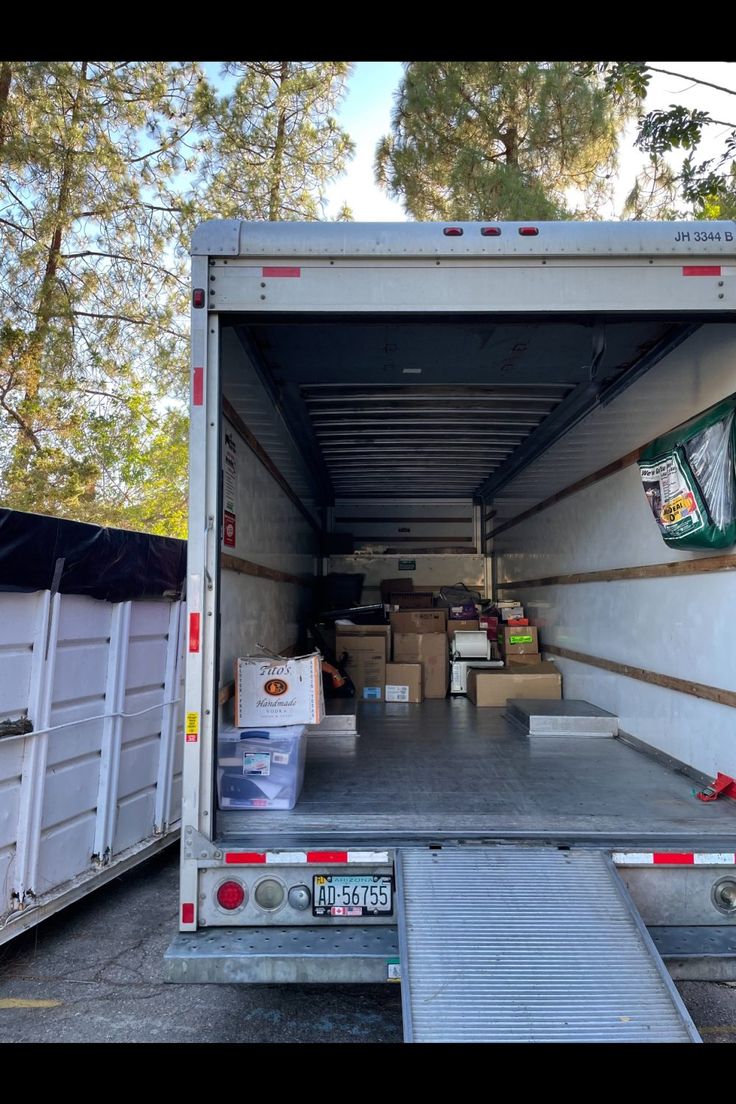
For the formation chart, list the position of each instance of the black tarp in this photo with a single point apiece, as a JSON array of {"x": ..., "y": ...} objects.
[{"x": 113, "y": 564}]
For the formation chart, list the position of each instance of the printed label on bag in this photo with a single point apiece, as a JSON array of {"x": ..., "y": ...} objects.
[
  {"x": 397, "y": 693},
  {"x": 257, "y": 762},
  {"x": 671, "y": 497}
]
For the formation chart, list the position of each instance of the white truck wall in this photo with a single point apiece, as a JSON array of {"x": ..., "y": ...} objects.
[
  {"x": 675, "y": 626},
  {"x": 95, "y": 788},
  {"x": 431, "y": 571},
  {"x": 272, "y": 532}
]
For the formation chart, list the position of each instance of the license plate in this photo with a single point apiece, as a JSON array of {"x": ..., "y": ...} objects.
[{"x": 352, "y": 895}]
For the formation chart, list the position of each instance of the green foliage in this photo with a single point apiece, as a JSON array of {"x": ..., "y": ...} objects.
[
  {"x": 480, "y": 140},
  {"x": 273, "y": 141},
  {"x": 706, "y": 185},
  {"x": 105, "y": 168},
  {"x": 94, "y": 335}
]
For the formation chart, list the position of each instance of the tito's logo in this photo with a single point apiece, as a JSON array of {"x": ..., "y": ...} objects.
[{"x": 276, "y": 687}]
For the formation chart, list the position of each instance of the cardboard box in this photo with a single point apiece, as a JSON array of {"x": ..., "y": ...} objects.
[
  {"x": 524, "y": 659},
  {"x": 494, "y": 688},
  {"x": 416, "y": 599},
  {"x": 404, "y": 682},
  {"x": 365, "y": 630},
  {"x": 274, "y": 692},
  {"x": 429, "y": 649},
  {"x": 365, "y": 663},
  {"x": 419, "y": 621},
  {"x": 518, "y": 639},
  {"x": 461, "y": 626},
  {"x": 395, "y": 586}
]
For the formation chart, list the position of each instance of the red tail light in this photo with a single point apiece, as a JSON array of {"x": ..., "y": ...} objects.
[{"x": 230, "y": 895}]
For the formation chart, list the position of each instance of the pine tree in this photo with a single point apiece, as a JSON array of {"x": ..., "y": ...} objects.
[
  {"x": 501, "y": 140},
  {"x": 274, "y": 140},
  {"x": 93, "y": 339}
]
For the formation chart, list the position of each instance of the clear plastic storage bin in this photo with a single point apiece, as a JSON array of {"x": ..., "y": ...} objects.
[{"x": 260, "y": 768}]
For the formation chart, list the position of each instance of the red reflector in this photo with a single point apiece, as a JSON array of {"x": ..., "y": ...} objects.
[
  {"x": 230, "y": 895},
  {"x": 528, "y": 231},
  {"x": 193, "y": 632},
  {"x": 666, "y": 857},
  {"x": 453, "y": 231},
  {"x": 701, "y": 270},
  {"x": 294, "y": 272},
  {"x": 198, "y": 297},
  {"x": 198, "y": 387},
  {"x": 491, "y": 231},
  {"x": 187, "y": 913},
  {"x": 327, "y": 856},
  {"x": 244, "y": 857}
]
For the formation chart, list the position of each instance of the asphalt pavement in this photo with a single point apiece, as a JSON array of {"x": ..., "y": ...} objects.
[{"x": 93, "y": 973}]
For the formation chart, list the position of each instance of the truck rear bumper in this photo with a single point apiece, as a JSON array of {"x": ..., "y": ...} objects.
[{"x": 284, "y": 955}]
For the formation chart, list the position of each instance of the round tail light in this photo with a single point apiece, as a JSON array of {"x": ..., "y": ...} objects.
[{"x": 230, "y": 895}]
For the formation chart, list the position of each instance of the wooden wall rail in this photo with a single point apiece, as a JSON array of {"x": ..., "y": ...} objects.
[{"x": 669, "y": 682}]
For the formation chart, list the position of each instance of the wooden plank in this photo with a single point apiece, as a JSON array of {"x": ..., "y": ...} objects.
[
  {"x": 428, "y": 520},
  {"x": 669, "y": 682},
  {"x": 260, "y": 571},
  {"x": 581, "y": 484},
  {"x": 257, "y": 448},
  {"x": 225, "y": 693},
  {"x": 418, "y": 539},
  {"x": 705, "y": 565}
]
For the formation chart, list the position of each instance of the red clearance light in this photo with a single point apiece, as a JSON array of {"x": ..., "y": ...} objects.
[
  {"x": 453, "y": 231},
  {"x": 198, "y": 297},
  {"x": 528, "y": 231},
  {"x": 230, "y": 895},
  {"x": 491, "y": 231}
]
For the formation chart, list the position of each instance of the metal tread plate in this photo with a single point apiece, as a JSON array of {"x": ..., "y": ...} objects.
[
  {"x": 283, "y": 954},
  {"x": 528, "y": 944}
]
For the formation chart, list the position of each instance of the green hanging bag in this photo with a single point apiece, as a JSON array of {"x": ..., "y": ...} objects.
[{"x": 690, "y": 483}]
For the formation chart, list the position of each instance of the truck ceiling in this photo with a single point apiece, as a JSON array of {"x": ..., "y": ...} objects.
[{"x": 440, "y": 407}]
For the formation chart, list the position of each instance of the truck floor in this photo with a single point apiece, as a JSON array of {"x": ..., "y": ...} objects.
[{"x": 446, "y": 770}]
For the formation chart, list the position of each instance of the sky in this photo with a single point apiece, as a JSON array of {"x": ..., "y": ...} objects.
[{"x": 366, "y": 114}]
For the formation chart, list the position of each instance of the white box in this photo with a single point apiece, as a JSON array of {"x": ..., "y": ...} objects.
[
  {"x": 273, "y": 692},
  {"x": 260, "y": 768}
]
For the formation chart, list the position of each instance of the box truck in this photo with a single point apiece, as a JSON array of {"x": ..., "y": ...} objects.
[{"x": 466, "y": 403}]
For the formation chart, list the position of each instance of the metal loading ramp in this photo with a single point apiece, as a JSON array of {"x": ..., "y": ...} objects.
[{"x": 528, "y": 944}]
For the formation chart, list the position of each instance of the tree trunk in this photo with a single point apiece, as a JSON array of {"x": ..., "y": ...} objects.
[
  {"x": 278, "y": 151},
  {"x": 6, "y": 79},
  {"x": 27, "y": 440}
]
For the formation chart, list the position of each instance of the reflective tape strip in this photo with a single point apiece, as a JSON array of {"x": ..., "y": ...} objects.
[
  {"x": 281, "y": 272},
  {"x": 701, "y": 270},
  {"x": 187, "y": 913},
  {"x": 194, "y": 626},
  {"x": 198, "y": 387},
  {"x": 292, "y": 858},
  {"x": 674, "y": 858},
  {"x": 327, "y": 856}
]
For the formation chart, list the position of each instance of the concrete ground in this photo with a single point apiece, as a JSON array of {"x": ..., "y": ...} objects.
[{"x": 93, "y": 974}]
